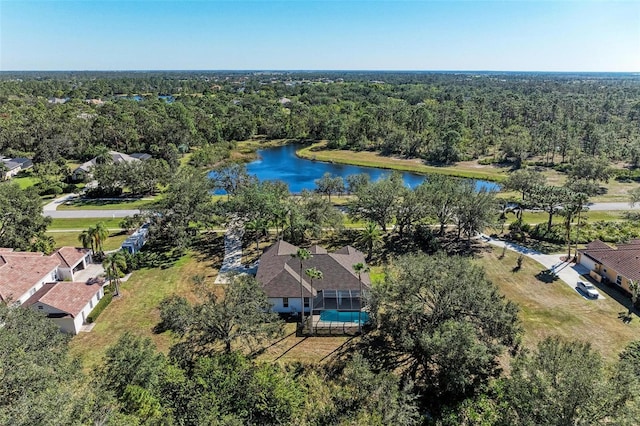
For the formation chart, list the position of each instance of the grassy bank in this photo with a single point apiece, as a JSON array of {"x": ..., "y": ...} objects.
[
  {"x": 472, "y": 170},
  {"x": 556, "y": 309}
]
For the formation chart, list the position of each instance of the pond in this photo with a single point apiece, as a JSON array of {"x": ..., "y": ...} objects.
[{"x": 281, "y": 163}]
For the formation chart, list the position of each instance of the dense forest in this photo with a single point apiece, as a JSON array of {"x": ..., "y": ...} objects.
[{"x": 441, "y": 118}]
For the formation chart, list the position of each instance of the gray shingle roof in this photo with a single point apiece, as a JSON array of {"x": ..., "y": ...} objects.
[{"x": 279, "y": 272}]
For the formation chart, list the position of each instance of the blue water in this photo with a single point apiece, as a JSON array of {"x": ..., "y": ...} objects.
[
  {"x": 339, "y": 316},
  {"x": 282, "y": 164}
]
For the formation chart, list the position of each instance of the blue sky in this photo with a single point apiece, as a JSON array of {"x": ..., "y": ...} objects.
[{"x": 320, "y": 35}]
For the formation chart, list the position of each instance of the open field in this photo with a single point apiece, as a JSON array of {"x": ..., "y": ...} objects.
[
  {"x": 556, "y": 309},
  {"x": 70, "y": 239},
  {"x": 89, "y": 204},
  {"x": 466, "y": 169}
]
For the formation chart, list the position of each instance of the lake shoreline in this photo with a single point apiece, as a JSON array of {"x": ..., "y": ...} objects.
[{"x": 375, "y": 160}]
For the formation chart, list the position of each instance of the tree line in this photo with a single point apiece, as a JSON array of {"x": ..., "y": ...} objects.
[{"x": 438, "y": 117}]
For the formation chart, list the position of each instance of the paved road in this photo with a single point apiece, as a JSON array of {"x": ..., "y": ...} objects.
[
  {"x": 612, "y": 206},
  {"x": 51, "y": 210},
  {"x": 569, "y": 273}
]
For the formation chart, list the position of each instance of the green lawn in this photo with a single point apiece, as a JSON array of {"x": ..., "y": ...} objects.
[
  {"x": 88, "y": 204},
  {"x": 556, "y": 309},
  {"x": 84, "y": 223},
  {"x": 25, "y": 181},
  {"x": 136, "y": 310},
  {"x": 113, "y": 242},
  {"x": 591, "y": 216}
]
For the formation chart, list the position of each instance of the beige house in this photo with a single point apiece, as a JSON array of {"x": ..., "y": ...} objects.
[{"x": 611, "y": 265}]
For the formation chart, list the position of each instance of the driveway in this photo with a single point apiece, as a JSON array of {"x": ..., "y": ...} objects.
[{"x": 569, "y": 273}]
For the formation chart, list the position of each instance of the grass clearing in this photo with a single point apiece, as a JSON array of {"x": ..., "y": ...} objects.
[
  {"x": 556, "y": 309},
  {"x": 136, "y": 310},
  {"x": 310, "y": 350},
  {"x": 84, "y": 223},
  {"x": 25, "y": 180},
  {"x": 465, "y": 169}
]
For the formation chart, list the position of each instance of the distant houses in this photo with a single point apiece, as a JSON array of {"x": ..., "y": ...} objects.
[
  {"x": 83, "y": 171},
  {"x": 51, "y": 284},
  {"x": 617, "y": 266},
  {"x": 13, "y": 166}
]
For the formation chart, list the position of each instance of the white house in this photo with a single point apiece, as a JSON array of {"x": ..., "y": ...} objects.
[
  {"x": 68, "y": 304},
  {"x": 33, "y": 279},
  {"x": 72, "y": 260}
]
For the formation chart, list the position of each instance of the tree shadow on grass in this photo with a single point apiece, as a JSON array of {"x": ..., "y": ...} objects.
[
  {"x": 547, "y": 276},
  {"x": 209, "y": 247}
]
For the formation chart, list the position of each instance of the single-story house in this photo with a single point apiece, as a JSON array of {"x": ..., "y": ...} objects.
[
  {"x": 607, "y": 264},
  {"x": 47, "y": 284},
  {"x": 339, "y": 288},
  {"x": 13, "y": 166},
  {"x": 68, "y": 304},
  {"x": 84, "y": 170}
]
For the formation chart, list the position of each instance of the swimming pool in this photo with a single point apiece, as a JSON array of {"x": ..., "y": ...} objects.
[{"x": 342, "y": 316}]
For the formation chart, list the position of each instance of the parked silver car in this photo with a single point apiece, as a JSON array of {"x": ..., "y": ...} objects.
[{"x": 588, "y": 289}]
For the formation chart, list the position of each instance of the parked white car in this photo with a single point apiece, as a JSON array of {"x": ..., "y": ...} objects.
[{"x": 588, "y": 289}]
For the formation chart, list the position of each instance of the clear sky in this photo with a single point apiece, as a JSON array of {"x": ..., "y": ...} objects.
[{"x": 561, "y": 35}]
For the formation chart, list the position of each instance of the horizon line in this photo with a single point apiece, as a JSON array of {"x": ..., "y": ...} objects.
[{"x": 266, "y": 70}]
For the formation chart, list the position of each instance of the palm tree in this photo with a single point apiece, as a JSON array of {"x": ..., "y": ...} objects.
[
  {"x": 302, "y": 255},
  {"x": 86, "y": 239},
  {"x": 369, "y": 237},
  {"x": 313, "y": 274},
  {"x": 99, "y": 233},
  {"x": 258, "y": 227},
  {"x": 359, "y": 269},
  {"x": 114, "y": 265}
]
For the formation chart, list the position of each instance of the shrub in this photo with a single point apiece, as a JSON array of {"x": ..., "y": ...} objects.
[
  {"x": 175, "y": 314},
  {"x": 542, "y": 233},
  {"x": 102, "y": 304}
]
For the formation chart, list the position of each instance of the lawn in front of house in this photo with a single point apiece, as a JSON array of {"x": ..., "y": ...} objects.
[
  {"x": 84, "y": 223},
  {"x": 70, "y": 239},
  {"x": 556, "y": 309}
]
